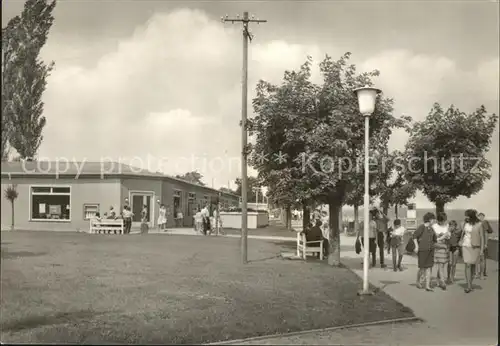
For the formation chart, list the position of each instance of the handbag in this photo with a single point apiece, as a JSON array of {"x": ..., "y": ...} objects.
[
  {"x": 357, "y": 246},
  {"x": 410, "y": 247}
]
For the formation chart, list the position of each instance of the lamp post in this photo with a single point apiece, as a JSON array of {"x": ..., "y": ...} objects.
[{"x": 366, "y": 99}]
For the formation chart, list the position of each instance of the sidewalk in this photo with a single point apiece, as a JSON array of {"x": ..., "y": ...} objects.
[{"x": 468, "y": 319}]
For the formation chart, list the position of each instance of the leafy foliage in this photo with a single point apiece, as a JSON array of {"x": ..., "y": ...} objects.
[
  {"x": 448, "y": 151},
  {"x": 24, "y": 76},
  {"x": 192, "y": 177},
  {"x": 252, "y": 184},
  {"x": 320, "y": 130},
  {"x": 227, "y": 190}
]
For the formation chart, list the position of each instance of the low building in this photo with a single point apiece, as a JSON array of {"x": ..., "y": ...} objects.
[{"x": 54, "y": 196}]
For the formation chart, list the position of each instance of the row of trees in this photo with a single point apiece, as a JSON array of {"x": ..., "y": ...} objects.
[
  {"x": 318, "y": 134},
  {"x": 24, "y": 77}
]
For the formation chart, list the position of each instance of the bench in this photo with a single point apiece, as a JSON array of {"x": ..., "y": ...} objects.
[
  {"x": 305, "y": 247},
  {"x": 107, "y": 226}
]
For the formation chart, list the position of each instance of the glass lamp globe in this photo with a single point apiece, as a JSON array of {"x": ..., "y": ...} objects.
[{"x": 366, "y": 99}]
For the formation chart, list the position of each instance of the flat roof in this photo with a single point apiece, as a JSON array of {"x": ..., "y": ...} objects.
[{"x": 104, "y": 170}]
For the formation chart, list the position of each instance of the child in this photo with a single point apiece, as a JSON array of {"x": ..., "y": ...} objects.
[
  {"x": 397, "y": 245},
  {"x": 426, "y": 238}
]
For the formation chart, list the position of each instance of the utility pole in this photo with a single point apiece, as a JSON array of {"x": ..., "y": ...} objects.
[{"x": 244, "y": 98}]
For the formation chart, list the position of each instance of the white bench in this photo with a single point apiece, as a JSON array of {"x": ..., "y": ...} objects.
[
  {"x": 107, "y": 226},
  {"x": 305, "y": 247}
]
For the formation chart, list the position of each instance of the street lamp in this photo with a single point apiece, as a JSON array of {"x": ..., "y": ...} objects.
[{"x": 366, "y": 99}]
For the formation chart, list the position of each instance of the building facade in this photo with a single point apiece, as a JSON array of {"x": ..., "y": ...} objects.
[{"x": 54, "y": 198}]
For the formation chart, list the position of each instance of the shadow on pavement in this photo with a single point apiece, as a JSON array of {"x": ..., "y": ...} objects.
[{"x": 19, "y": 254}]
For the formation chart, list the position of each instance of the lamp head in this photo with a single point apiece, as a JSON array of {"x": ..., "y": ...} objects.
[{"x": 366, "y": 99}]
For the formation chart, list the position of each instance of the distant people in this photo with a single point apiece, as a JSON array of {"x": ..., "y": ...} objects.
[
  {"x": 127, "y": 219},
  {"x": 426, "y": 238},
  {"x": 397, "y": 244},
  {"x": 144, "y": 219},
  {"x": 388, "y": 236},
  {"x": 483, "y": 258},
  {"x": 441, "y": 247},
  {"x": 455, "y": 235},
  {"x": 472, "y": 245},
  {"x": 372, "y": 244},
  {"x": 180, "y": 218},
  {"x": 198, "y": 221},
  {"x": 217, "y": 219},
  {"x": 205, "y": 215},
  {"x": 111, "y": 214}
]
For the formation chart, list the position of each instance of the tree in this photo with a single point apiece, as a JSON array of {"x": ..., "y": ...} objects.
[
  {"x": 252, "y": 184},
  {"x": 448, "y": 151},
  {"x": 227, "y": 190},
  {"x": 282, "y": 115},
  {"x": 391, "y": 186},
  {"x": 192, "y": 177},
  {"x": 323, "y": 125},
  {"x": 11, "y": 195},
  {"x": 25, "y": 75}
]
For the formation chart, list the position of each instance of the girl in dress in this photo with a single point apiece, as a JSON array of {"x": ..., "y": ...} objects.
[
  {"x": 472, "y": 243},
  {"x": 162, "y": 218},
  {"x": 455, "y": 235},
  {"x": 441, "y": 248}
]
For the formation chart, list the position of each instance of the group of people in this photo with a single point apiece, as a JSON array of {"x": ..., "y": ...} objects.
[
  {"x": 206, "y": 224},
  {"x": 441, "y": 242}
]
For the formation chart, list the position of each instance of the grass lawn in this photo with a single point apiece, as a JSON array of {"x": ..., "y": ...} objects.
[{"x": 79, "y": 288}]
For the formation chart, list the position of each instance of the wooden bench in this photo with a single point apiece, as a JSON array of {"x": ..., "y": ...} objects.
[
  {"x": 305, "y": 247},
  {"x": 107, "y": 226}
]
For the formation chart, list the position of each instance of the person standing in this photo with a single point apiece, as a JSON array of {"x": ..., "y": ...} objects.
[
  {"x": 455, "y": 235},
  {"x": 144, "y": 219},
  {"x": 481, "y": 268},
  {"x": 127, "y": 219},
  {"x": 381, "y": 224},
  {"x": 426, "y": 238},
  {"x": 162, "y": 218},
  {"x": 205, "y": 215},
  {"x": 397, "y": 244},
  {"x": 472, "y": 243},
  {"x": 441, "y": 248},
  {"x": 198, "y": 221}
]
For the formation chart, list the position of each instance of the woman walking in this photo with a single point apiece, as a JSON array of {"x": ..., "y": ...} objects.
[
  {"x": 441, "y": 248},
  {"x": 455, "y": 235},
  {"x": 472, "y": 243},
  {"x": 426, "y": 238}
]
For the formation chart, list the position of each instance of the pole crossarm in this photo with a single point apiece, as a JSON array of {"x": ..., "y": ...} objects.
[{"x": 245, "y": 20}]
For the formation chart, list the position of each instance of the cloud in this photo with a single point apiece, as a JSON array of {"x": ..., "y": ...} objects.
[{"x": 173, "y": 90}]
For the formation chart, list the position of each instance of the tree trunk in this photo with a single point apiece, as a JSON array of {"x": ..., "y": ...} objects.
[
  {"x": 356, "y": 219},
  {"x": 288, "y": 212},
  {"x": 334, "y": 208},
  {"x": 13, "y": 214},
  {"x": 396, "y": 211},
  {"x": 306, "y": 217},
  {"x": 439, "y": 207}
]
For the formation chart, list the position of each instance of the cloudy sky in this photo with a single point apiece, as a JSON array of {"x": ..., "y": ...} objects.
[{"x": 162, "y": 79}]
